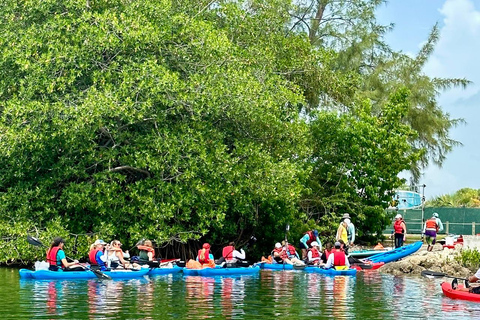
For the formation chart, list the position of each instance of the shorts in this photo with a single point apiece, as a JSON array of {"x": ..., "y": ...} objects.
[
  {"x": 430, "y": 237},
  {"x": 302, "y": 246}
]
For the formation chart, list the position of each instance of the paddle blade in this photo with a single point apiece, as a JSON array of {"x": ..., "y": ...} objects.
[
  {"x": 100, "y": 275},
  {"x": 299, "y": 266},
  {"x": 34, "y": 241},
  {"x": 432, "y": 274}
]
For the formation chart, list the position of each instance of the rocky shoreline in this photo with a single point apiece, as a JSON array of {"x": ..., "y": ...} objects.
[{"x": 439, "y": 259}]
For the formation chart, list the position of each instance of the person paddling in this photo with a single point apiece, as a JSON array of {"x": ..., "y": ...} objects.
[
  {"x": 96, "y": 256},
  {"x": 58, "y": 260},
  {"x": 231, "y": 255},
  {"x": 337, "y": 258}
]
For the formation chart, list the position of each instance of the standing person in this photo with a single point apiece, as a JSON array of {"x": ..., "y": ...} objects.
[
  {"x": 58, "y": 260},
  {"x": 337, "y": 258},
  {"x": 231, "y": 255},
  {"x": 96, "y": 256},
  {"x": 431, "y": 228},
  {"x": 306, "y": 240},
  {"x": 400, "y": 230},
  {"x": 350, "y": 232},
  {"x": 342, "y": 231}
]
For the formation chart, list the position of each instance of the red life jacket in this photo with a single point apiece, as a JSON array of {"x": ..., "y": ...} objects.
[
  {"x": 206, "y": 258},
  {"x": 327, "y": 253},
  {"x": 227, "y": 252},
  {"x": 432, "y": 224},
  {"x": 312, "y": 237},
  {"x": 52, "y": 256},
  {"x": 292, "y": 250},
  {"x": 339, "y": 258},
  {"x": 148, "y": 249},
  {"x": 315, "y": 253},
  {"x": 397, "y": 226},
  {"x": 92, "y": 257},
  {"x": 282, "y": 252}
]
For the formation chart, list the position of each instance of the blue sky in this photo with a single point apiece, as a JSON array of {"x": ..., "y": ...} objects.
[{"x": 457, "y": 55}]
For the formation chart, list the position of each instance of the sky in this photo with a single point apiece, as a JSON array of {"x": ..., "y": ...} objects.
[{"x": 457, "y": 55}]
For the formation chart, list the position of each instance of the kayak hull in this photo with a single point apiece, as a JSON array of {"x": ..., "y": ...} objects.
[
  {"x": 396, "y": 254},
  {"x": 455, "y": 294},
  {"x": 74, "y": 275},
  {"x": 209, "y": 272},
  {"x": 276, "y": 266},
  {"x": 362, "y": 254},
  {"x": 368, "y": 266},
  {"x": 160, "y": 271},
  {"x": 332, "y": 272}
]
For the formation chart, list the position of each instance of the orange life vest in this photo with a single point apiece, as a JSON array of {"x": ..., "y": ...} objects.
[
  {"x": 432, "y": 224},
  {"x": 227, "y": 252},
  {"x": 282, "y": 253},
  {"x": 92, "y": 257},
  {"x": 311, "y": 237},
  {"x": 327, "y": 253}
]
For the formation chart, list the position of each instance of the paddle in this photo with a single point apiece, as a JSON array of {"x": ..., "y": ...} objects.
[
  {"x": 287, "y": 228},
  {"x": 34, "y": 241},
  {"x": 434, "y": 274}
]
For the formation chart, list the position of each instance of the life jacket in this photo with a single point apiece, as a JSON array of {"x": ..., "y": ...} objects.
[
  {"x": 315, "y": 253},
  {"x": 280, "y": 251},
  {"x": 92, "y": 256},
  {"x": 397, "y": 226},
  {"x": 432, "y": 224},
  {"x": 327, "y": 253},
  {"x": 206, "y": 258},
  {"x": 227, "y": 252},
  {"x": 52, "y": 256},
  {"x": 339, "y": 258},
  {"x": 147, "y": 249},
  {"x": 311, "y": 237},
  {"x": 291, "y": 250}
]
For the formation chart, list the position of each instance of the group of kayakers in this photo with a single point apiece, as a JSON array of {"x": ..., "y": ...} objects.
[
  {"x": 311, "y": 246},
  {"x": 102, "y": 256},
  {"x": 206, "y": 259}
]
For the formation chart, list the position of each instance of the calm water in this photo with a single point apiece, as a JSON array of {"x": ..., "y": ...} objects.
[{"x": 271, "y": 294}]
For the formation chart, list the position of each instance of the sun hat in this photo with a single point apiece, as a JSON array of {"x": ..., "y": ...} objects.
[
  {"x": 314, "y": 244},
  {"x": 99, "y": 241},
  {"x": 435, "y": 215},
  {"x": 278, "y": 245},
  {"x": 337, "y": 244},
  {"x": 206, "y": 246},
  {"x": 346, "y": 216},
  {"x": 398, "y": 216}
]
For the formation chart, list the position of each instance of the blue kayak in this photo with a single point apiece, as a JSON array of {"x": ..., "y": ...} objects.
[
  {"x": 276, "y": 266},
  {"x": 332, "y": 271},
  {"x": 159, "y": 271},
  {"x": 73, "y": 275},
  {"x": 190, "y": 272},
  {"x": 396, "y": 254},
  {"x": 209, "y": 272}
]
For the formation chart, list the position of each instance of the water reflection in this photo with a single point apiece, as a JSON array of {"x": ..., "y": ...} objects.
[{"x": 271, "y": 294}]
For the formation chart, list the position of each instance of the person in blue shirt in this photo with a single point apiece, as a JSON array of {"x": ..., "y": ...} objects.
[
  {"x": 306, "y": 241},
  {"x": 58, "y": 260}
]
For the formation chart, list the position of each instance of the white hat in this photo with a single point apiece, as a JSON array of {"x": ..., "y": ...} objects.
[
  {"x": 398, "y": 216},
  {"x": 99, "y": 241},
  {"x": 346, "y": 216},
  {"x": 278, "y": 245},
  {"x": 314, "y": 244},
  {"x": 435, "y": 215}
]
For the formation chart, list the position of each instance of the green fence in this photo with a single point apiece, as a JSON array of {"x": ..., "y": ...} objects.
[{"x": 455, "y": 220}]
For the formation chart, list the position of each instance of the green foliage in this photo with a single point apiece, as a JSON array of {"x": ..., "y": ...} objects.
[
  {"x": 469, "y": 258},
  {"x": 355, "y": 163},
  {"x": 465, "y": 197}
]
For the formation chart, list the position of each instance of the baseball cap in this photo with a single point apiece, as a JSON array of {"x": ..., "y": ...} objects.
[
  {"x": 278, "y": 245},
  {"x": 314, "y": 244},
  {"x": 435, "y": 215},
  {"x": 99, "y": 241},
  {"x": 337, "y": 244}
]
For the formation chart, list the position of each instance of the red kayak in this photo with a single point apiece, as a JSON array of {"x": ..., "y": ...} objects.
[
  {"x": 367, "y": 265},
  {"x": 456, "y": 294}
]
